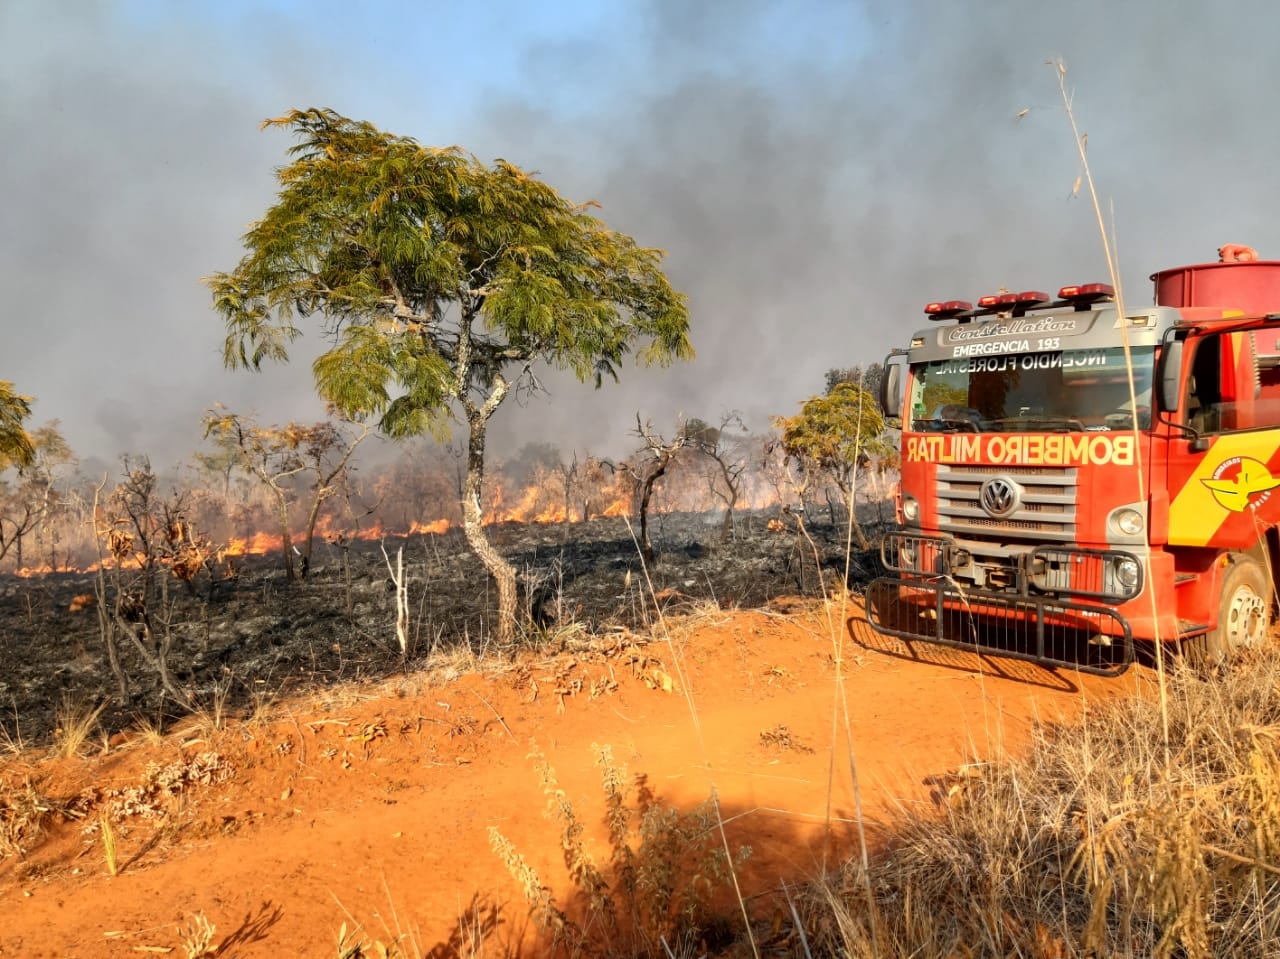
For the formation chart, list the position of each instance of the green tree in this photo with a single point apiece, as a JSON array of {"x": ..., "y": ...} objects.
[
  {"x": 868, "y": 377},
  {"x": 442, "y": 281},
  {"x": 834, "y": 434},
  {"x": 29, "y": 503},
  {"x": 16, "y": 447}
]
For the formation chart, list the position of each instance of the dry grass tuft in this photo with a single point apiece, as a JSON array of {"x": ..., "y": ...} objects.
[
  {"x": 197, "y": 938},
  {"x": 24, "y": 810},
  {"x": 76, "y": 724},
  {"x": 664, "y": 868}
]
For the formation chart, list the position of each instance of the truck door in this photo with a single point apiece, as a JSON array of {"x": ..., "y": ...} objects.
[{"x": 1224, "y": 490}]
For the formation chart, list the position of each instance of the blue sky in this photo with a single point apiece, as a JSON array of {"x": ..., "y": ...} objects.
[{"x": 817, "y": 171}]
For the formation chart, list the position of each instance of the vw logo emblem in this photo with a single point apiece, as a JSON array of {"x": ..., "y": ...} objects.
[{"x": 999, "y": 496}]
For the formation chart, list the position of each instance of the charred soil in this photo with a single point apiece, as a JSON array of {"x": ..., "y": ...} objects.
[{"x": 243, "y": 628}]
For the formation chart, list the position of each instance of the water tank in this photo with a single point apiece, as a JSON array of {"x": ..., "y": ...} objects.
[{"x": 1251, "y": 286}]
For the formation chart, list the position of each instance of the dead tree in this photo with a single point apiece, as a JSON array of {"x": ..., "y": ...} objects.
[
  {"x": 279, "y": 455},
  {"x": 652, "y": 463},
  {"x": 148, "y": 541},
  {"x": 726, "y": 457},
  {"x": 569, "y": 473}
]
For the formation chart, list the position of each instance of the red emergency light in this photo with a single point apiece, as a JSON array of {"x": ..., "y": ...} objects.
[
  {"x": 1026, "y": 300},
  {"x": 943, "y": 309},
  {"x": 1087, "y": 293}
]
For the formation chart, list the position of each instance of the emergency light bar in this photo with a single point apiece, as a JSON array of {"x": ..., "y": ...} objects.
[
  {"x": 1088, "y": 293},
  {"x": 1080, "y": 296},
  {"x": 1027, "y": 300},
  {"x": 946, "y": 309}
]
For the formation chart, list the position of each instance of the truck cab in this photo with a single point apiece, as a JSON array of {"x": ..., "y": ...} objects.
[{"x": 1077, "y": 479}]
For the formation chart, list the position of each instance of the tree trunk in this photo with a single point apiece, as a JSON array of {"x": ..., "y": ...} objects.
[
  {"x": 646, "y": 494},
  {"x": 730, "y": 499},
  {"x": 286, "y": 542},
  {"x": 850, "y": 502},
  {"x": 726, "y": 527},
  {"x": 504, "y": 573},
  {"x": 831, "y": 507},
  {"x": 107, "y": 632},
  {"x": 310, "y": 535}
]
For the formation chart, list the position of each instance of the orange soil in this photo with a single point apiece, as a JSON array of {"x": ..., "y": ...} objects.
[{"x": 373, "y": 807}]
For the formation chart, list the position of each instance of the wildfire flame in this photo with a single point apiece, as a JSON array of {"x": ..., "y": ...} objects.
[
  {"x": 256, "y": 545},
  {"x": 423, "y": 529},
  {"x": 541, "y": 502}
]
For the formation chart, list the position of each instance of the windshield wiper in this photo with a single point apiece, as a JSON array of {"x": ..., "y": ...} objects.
[
  {"x": 937, "y": 424},
  {"x": 1050, "y": 424}
]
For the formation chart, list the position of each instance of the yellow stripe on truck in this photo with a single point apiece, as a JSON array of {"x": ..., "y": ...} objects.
[{"x": 1197, "y": 512}]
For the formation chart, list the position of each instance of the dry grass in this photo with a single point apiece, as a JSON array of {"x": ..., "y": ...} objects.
[
  {"x": 76, "y": 725},
  {"x": 110, "y": 848},
  {"x": 1099, "y": 842},
  {"x": 196, "y": 937},
  {"x": 24, "y": 810},
  {"x": 664, "y": 868},
  {"x": 400, "y": 940}
]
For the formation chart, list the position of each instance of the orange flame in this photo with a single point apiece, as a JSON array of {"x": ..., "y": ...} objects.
[
  {"x": 255, "y": 545},
  {"x": 541, "y": 502},
  {"x": 436, "y": 527}
]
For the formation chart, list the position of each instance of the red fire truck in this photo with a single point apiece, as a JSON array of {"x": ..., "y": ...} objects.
[{"x": 1077, "y": 482}]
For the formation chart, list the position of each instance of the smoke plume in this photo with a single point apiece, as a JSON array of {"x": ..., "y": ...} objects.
[{"x": 817, "y": 171}]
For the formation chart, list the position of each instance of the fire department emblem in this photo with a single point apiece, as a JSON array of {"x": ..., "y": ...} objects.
[
  {"x": 1241, "y": 482},
  {"x": 999, "y": 496}
]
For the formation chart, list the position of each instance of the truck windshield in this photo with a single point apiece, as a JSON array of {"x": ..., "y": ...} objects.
[{"x": 1057, "y": 391}]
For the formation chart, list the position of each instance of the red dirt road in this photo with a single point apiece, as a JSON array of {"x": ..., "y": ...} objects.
[{"x": 374, "y": 807}]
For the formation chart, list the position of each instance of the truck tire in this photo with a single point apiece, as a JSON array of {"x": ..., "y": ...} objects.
[{"x": 1244, "y": 616}]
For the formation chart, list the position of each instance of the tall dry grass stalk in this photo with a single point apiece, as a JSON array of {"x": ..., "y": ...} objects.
[
  {"x": 1113, "y": 268},
  {"x": 662, "y": 630},
  {"x": 110, "y": 848},
  {"x": 400, "y": 942}
]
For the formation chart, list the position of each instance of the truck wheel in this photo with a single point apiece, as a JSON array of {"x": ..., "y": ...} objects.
[{"x": 1244, "y": 616}]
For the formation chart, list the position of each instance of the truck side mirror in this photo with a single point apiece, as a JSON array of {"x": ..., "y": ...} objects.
[
  {"x": 1170, "y": 376},
  {"x": 891, "y": 388}
]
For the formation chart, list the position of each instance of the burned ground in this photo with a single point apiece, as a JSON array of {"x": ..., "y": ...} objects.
[{"x": 239, "y": 637}]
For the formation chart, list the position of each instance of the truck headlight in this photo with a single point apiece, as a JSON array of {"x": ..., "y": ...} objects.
[
  {"x": 1128, "y": 573},
  {"x": 910, "y": 508},
  {"x": 1128, "y": 522}
]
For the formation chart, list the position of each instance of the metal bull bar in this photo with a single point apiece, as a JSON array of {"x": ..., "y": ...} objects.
[{"x": 1039, "y": 629}]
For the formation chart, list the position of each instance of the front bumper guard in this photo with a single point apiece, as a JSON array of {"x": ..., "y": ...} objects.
[{"x": 1038, "y": 629}]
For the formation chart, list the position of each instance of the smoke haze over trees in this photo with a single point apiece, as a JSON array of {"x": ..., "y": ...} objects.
[{"x": 816, "y": 171}]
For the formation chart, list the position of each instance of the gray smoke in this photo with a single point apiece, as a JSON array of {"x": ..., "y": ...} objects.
[{"x": 816, "y": 172}]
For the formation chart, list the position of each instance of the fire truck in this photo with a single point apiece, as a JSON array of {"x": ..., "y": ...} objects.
[{"x": 1078, "y": 483}]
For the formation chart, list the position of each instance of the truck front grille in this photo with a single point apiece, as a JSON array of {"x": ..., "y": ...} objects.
[{"x": 1047, "y": 508}]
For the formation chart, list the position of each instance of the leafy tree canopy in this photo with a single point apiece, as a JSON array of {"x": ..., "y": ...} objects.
[
  {"x": 17, "y": 447},
  {"x": 436, "y": 274},
  {"x": 868, "y": 377},
  {"x": 832, "y": 431}
]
